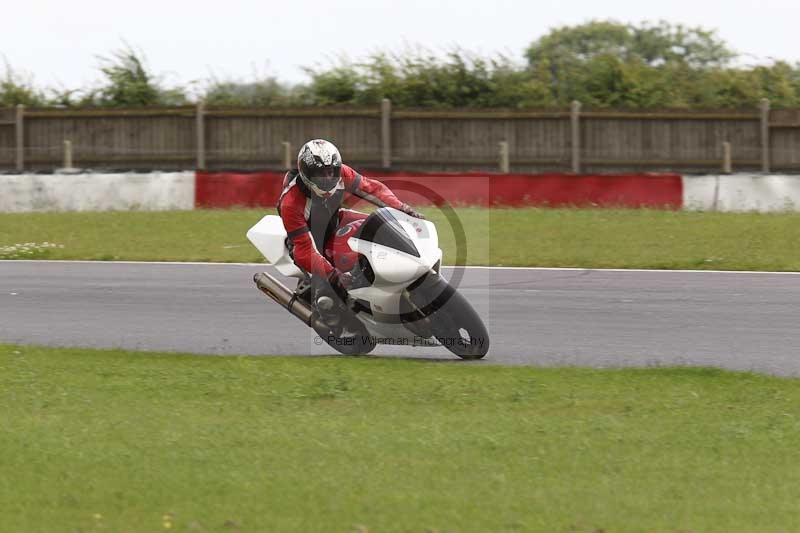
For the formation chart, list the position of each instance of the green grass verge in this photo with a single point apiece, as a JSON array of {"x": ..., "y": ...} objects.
[
  {"x": 593, "y": 238},
  {"x": 133, "y": 442}
]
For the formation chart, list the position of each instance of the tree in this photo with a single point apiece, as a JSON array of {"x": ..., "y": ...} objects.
[
  {"x": 265, "y": 92},
  {"x": 130, "y": 84},
  {"x": 598, "y": 52},
  {"x": 777, "y": 82},
  {"x": 420, "y": 78},
  {"x": 336, "y": 85},
  {"x": 653, "y": 45},
  {"x": 15, "y": 89},
  {"x": 600, "y": 63}
]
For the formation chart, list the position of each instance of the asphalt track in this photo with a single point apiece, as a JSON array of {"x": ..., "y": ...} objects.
[{"x": 599, "y": 318}]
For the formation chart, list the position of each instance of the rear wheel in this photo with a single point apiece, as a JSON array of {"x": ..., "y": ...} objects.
[{"x": 451, "y": 318}]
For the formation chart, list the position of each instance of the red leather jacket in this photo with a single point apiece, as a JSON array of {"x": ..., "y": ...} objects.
[{"x": 310, "y": 220}]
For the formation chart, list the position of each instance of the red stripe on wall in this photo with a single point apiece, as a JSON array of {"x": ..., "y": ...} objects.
[
  {"x": 261, "y": 189},
  {"x": 228, "y": 189}
]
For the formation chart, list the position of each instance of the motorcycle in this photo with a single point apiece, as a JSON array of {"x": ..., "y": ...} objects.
[{"x": 398, "y": 295}]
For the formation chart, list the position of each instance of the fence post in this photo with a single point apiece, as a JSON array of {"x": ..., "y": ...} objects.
[
  {"x": 200, "y": 127},
  {"x": 765, "y": 135},
  {"x": 727, "y": 163},
  {"x": 287, "y": 155},
  {"x": 19, "y": 127},
  {"x": 67, "y": 165},
  {"x": 386, "y": 132},
  {"x": 505, "y": 164},
  {"x": 575, "y": 126}
]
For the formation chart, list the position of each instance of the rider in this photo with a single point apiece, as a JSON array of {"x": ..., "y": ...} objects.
[{"x": 311, "y": 208}]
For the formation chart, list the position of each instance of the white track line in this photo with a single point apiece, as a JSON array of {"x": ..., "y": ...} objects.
[{"x": 550, "y": 269}]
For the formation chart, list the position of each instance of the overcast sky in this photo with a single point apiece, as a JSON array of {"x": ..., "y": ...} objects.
[{"x": 57, "y": 42}]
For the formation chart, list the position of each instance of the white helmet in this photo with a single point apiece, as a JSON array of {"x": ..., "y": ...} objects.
[{"x": 320, "y": 167}]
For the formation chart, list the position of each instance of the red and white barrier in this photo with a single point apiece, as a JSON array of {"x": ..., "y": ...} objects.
[
  {"x": 261, "y": 189},
  {"x": 190, "y": 190}
]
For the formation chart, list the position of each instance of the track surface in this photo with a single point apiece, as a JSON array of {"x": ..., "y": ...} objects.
[{"x": 545, "y": 317}]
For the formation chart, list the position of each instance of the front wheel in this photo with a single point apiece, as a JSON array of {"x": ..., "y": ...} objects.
[{"x": 452, "y": 319}]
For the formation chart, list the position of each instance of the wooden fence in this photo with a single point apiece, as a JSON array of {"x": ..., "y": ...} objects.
[{"x": 497, "y": 140}]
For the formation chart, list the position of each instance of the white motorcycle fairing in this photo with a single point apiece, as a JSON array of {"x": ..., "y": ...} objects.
[{"x": 269, "y": 238}]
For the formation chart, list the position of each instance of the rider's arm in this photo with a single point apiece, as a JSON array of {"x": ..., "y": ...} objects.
[
  {"x": 372, "y": 191},
  {"x": 304, "y": 252}
]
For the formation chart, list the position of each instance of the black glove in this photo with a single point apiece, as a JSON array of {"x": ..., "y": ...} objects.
[
  {"x": 340, "y": 282},
  {"x": 408, "y": 210}
]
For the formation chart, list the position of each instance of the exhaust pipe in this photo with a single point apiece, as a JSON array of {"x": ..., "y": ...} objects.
[{"x": 285, "y": 298}]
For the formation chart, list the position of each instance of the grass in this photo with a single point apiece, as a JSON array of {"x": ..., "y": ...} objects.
[
  {"x": 124, "y": 441},
  {"x": 589, "y": 238}
]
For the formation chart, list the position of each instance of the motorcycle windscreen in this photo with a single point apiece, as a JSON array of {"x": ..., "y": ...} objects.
[{"x": 382, "y": 228}]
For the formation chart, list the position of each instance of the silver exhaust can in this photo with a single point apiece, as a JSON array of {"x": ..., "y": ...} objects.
[{"x": 285, "y": 297}]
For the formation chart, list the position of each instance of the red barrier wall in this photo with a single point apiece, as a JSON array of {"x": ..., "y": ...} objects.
[{"x": 261, "y": 189}]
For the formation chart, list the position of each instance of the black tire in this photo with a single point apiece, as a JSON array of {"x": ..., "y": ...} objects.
[
  {"x": 450, "y": 317},
  {"x": 354, "y": 340}
]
